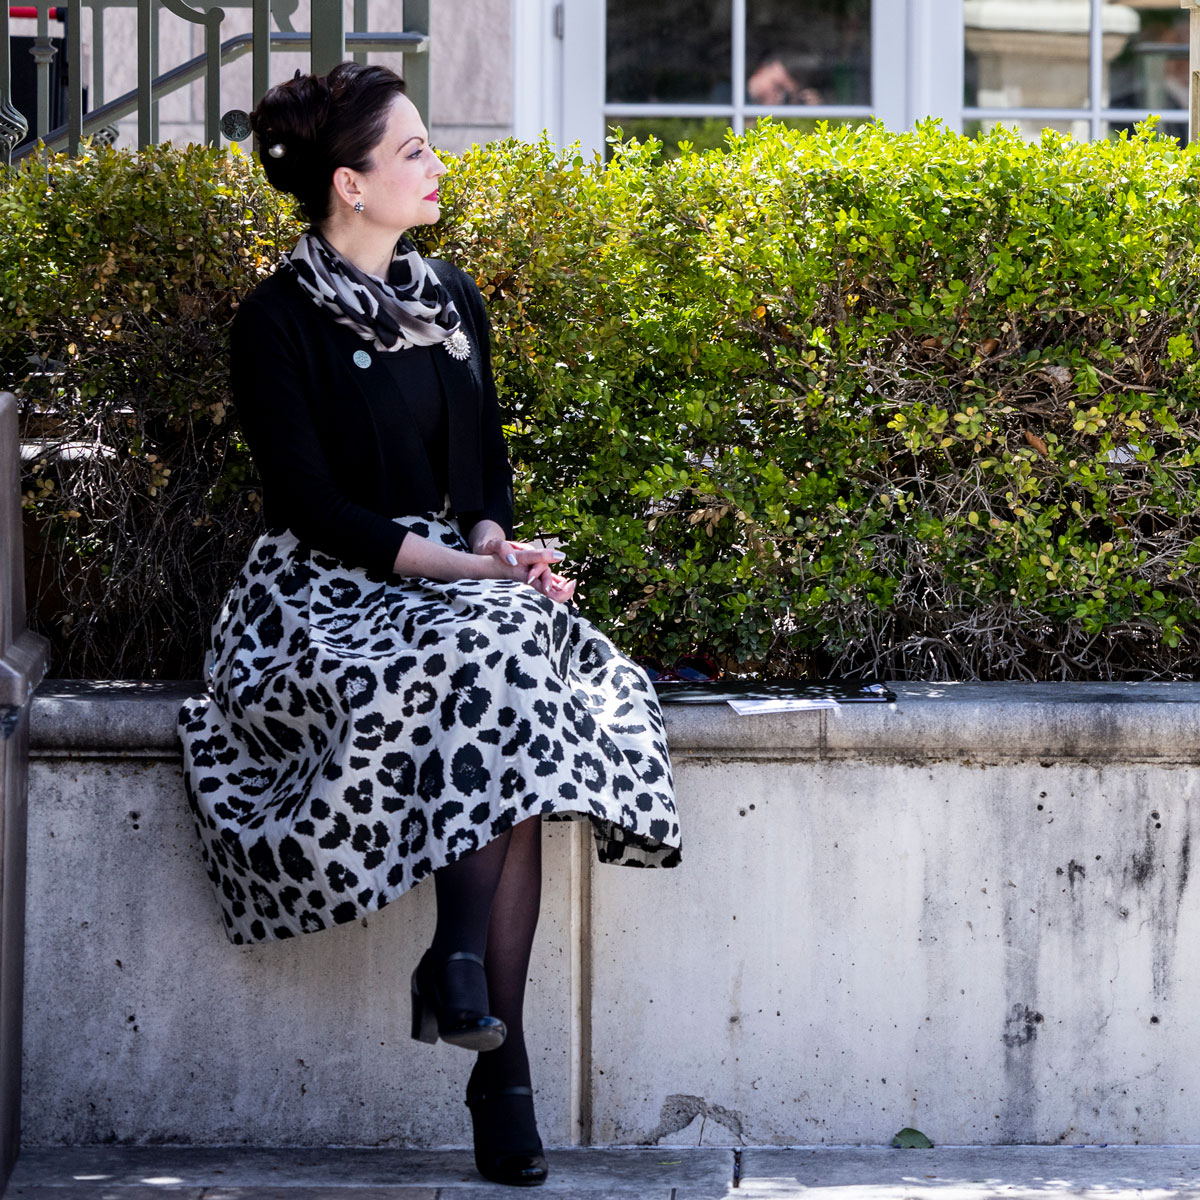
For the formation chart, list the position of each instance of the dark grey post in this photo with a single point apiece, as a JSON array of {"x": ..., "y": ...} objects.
[
  {"x": 328, "y": 36},
  {"x": 416, "y": 66},
  {"x": 22, "y": 665}
]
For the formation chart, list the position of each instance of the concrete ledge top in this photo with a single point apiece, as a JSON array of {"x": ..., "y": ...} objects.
[
  {"x": 653, "y": 1173},
  {"x": 982, "y": 722}
]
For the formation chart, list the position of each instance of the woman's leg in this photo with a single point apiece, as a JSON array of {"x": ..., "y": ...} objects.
[
  {"x": 466, "y": 891},
  {"x": 507, "y": 1146},
  {"x": 513, "y": 923}
]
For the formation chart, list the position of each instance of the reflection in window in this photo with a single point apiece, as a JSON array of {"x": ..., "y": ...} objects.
[
  {"x": 702, "y": 133},
  {"x": 1037, "y": 54},
  {"x": 669, "y": 51},
  {"x": 1028, "y": 53},
  {"x": 808, "y": 52},
  {"x": 1151, "y": 72}
]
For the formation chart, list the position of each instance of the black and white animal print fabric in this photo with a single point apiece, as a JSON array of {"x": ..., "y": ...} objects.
[
  {"x": 358, "y": 733},
  {"x": 409, "y": 308}
]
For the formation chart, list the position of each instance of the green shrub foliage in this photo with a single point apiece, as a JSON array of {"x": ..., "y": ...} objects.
[
  {"x": 849, "y": 401},
  {"x": 118, "y": 279}
]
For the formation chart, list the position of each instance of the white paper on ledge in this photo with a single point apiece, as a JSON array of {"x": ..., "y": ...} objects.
[{"x": 777, "y": 704}]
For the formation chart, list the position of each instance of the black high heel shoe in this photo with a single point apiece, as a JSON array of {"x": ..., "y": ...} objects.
[
  {"x": 511, "y": 1152},
  {"x": 446, "y": 1006}
]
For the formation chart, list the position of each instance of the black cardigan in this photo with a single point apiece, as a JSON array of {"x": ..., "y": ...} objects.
[{"x": 305, "y": 408}]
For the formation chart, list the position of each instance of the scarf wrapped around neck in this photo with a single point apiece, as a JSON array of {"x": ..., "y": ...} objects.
[{"x": 408, "y": 308}]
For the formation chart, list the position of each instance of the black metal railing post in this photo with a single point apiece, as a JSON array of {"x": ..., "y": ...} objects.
[
  {"x": 416, "y": 66},
  {"x": 23, "y": 656},
  {"x": 13, "y": 125}
]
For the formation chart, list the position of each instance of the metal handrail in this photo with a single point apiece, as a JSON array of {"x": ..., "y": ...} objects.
[
  {"x": 231, "y": 50},
  {"x": 327, "y": 42}
]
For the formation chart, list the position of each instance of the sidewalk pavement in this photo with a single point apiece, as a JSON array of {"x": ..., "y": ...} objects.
[{"x": 654, "y": 1173}]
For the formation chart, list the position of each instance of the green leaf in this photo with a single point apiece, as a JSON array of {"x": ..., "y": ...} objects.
[{"x": 911, "y": 1139}]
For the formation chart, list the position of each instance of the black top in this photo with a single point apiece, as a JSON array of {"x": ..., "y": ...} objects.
[
  {"x": 338, "y": 452},
  {"x": 421, "y": 401}
]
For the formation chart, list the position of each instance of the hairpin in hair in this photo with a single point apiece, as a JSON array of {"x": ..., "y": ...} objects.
[{"x": 277, "y": 151}]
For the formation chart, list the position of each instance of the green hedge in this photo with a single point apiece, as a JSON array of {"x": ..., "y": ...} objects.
[
  {"x": 848, "y": 401},
  {"x": 118, "y": 279}
]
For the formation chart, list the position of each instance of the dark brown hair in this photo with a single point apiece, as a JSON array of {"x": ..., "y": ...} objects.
[{"x": 322, "y": 123}]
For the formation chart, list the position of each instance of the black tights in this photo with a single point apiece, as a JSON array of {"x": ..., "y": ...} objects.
[{"x": 487, "y": 904}]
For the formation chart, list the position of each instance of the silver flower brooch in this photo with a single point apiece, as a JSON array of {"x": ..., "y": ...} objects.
[{"x": 458, "y": 345}]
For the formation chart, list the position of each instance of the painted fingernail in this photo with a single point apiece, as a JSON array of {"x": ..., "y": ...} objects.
[
  {"x": 512, "y": 560},
  {"x": 559, "y": 556}
]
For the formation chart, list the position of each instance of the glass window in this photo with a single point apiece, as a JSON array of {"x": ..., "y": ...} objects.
[
  {"x": 728, "y": 60},
  {"x": 669, "y": 52},
  {"x": 808, "y": 53},
  {"x": 1043, "y": 55},
  {"x": 701, "y": 133},
  {"x": 1150, "y": 71},
  {"x": 1027, "y": 53}
]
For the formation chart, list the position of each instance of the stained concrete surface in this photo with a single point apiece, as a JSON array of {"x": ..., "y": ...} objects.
[
  {"x": 135, "y": 1002},
  {"x": 134, "y": 1173},
  {"x": 997, "y": 944},
  {"x": 848, "y": 1173},
  {"x": 972, "y": 1173}
]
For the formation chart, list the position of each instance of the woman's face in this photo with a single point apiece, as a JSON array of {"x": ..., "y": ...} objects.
[{"x": 400, "y": 189}]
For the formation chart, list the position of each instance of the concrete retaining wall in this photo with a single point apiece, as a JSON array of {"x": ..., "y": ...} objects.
[{"x": 970, "y": 912}]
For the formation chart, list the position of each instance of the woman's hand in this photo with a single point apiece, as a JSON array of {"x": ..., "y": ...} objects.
[
  {"x": 556, "y": 587},
  {"x": 523, "y": 562}
]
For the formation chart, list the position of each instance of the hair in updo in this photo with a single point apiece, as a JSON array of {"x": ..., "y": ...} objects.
[{"x": 322, "y": 123}]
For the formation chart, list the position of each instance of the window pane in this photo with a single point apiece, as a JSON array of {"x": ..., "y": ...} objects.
[
  {"x": 1030, "y": 129},
  {"x": 669, "y": 51},
  {"x": 704, "y": 133},
  {"x": 1165, "y": 129},
  {"x": 1148, "y": 71},
  {"x": 1034, "y": 53},
  {"x": 808, "y": 52}
]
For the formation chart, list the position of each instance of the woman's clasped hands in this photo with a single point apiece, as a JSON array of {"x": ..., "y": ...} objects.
[{"x": 525, "y": 563}]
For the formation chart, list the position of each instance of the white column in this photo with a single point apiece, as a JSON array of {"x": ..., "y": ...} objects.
[
  {"x": 583, "y": 57},
  {"x": 537, "y": 27},
  {"x": 917, "y": 61},
  {"x": 935, "y": 61},
  {"x": 1194, "y": 70}
]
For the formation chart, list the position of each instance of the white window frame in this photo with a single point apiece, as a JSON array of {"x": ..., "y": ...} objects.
[{"x": 558, "y": 71}]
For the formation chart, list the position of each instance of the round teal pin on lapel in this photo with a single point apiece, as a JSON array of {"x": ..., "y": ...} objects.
[{"x": 362, "y": 359}]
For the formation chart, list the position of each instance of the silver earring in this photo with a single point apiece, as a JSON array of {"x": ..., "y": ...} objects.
[{"x": 358, "y": 206}]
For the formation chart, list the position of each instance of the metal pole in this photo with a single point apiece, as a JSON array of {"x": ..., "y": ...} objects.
[
  {"x": 261, "y": 53},
  {"x": 1193, "y": 69},
  {"x": 74, "y": 65},
  {"x": 22, "y": 665},
  {"x": 328, "y": 35},
  {"x": 155, "y": 21},
  {"x": 212, "y": 82},
  {"x": 361, "y": 25},
  {"x": 97, "y": 95},
  {"x": 416, "y": 66},
  {"x": 43, "y": 54},
  {"x": 145, "y": 72}
]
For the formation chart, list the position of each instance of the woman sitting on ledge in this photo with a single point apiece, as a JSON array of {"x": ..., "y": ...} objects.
[{"x": 396, "y": 688}]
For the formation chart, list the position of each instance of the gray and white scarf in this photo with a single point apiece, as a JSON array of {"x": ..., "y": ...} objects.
[{"x": 409, "y": 308}]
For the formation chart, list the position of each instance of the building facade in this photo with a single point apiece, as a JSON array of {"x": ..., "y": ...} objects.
[{"x": 696, "y": 68}]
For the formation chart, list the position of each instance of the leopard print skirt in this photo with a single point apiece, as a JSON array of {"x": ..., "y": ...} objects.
[{"x": 357, "y": 733}]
